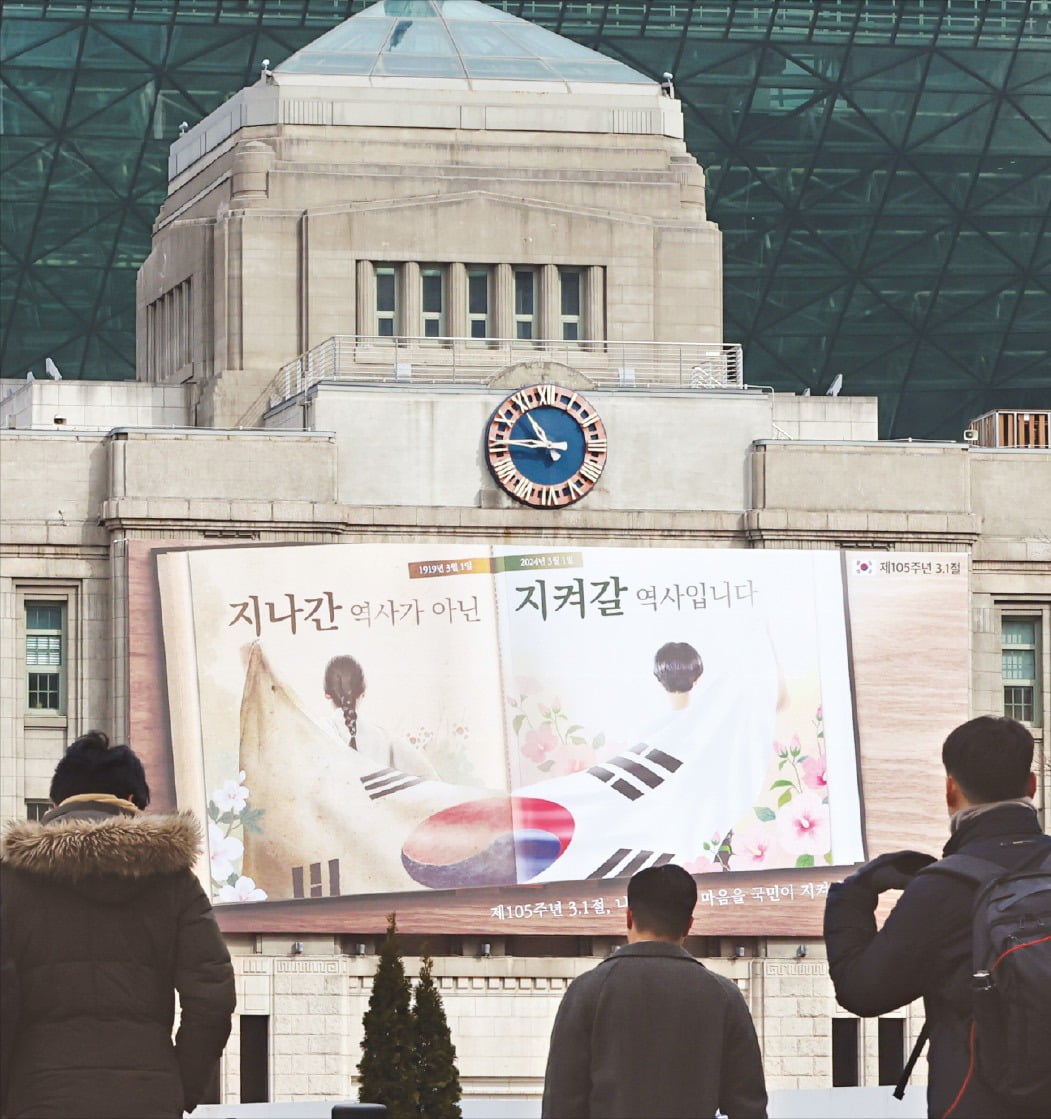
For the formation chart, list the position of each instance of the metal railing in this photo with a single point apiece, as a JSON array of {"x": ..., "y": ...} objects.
[{"x": 366, "y": 359}]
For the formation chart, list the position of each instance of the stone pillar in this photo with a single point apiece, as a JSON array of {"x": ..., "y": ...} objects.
[
  {"x": 548, "y": 323},
  {"x": 365, "y": 301},
  {"x": 503, "y": 302},
  {"x": 456, "y": 301},
  {"x": 410, "y": 322},
  {"x": 593, "y": 328}
]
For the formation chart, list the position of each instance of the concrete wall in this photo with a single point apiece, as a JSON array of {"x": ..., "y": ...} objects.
[
  {"x": 92, "y": 405},
  {"x": 688, "y": 450}
]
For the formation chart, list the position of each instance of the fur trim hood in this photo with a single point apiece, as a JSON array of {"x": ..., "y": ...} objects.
[{"x": 125, "y": 847}]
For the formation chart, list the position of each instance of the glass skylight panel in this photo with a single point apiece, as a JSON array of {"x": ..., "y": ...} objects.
[
  {"x": 487, "y": 40},
  {"x": 353, "y": 35},
  {"x": 584, "y": 70},
  {"x": 458, "y": 38},
  {"x": 330, "y": 62},
  {"x": 410, "y": 36},
  {"x": 528, "y": 69},
  {"x": 407, "y": 9},
  {"x": 546, "y": 44},
  {"x": 395, "y": 65},
  {"x": 474, "y": 11}
]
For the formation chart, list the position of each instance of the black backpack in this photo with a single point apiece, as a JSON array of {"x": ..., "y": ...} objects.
[{"x": 1011, "y": 978}]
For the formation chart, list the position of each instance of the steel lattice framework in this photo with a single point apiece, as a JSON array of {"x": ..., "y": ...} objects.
[{"x": 881, "y": 171}]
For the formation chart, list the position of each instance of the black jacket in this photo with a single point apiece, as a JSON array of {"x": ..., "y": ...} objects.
[
  {"x": 652, "y": 1032},
  {"x": 103, "y": 921},
  {"x": 924, "y": 948}
]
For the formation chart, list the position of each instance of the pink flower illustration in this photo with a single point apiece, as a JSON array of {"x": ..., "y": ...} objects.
[
  {"x": 795, "y": 747},
  {"x": 528, "y": 685},
  {"x": 751, "y": 848},
  {"x": 702, "y": 865},
  {"x": 540, "y": 742},
  {"x": 803, "y": 825},
  {"x": 814, "y": 775}
]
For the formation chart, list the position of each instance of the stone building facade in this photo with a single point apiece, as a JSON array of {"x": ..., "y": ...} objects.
[{"x": 352, "y": 269}]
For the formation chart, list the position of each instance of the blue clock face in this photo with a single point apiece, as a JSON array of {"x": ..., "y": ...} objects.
[{"x": 546, "y": 446}]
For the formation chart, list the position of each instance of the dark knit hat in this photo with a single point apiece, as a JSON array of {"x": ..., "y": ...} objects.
[{"x": 92, "y": 765}]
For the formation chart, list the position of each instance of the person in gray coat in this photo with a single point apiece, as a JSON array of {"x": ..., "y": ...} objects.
[{"x": 651, "y": 1031}]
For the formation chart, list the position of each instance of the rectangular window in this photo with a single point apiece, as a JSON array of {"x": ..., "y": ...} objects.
[
  {"x": 35, "y": 809},
  {"x": 571, "y": 289},
  {"x": 478, "y": 302},
  {"x": 432, "y": 300},
  {"x": 844, "y": 1052},
  {"x": 255, "y": 1058},
  {"x": 891, "y": 1049},
  {"x": 525, "y": 302},
  {"x": 1020, "y": 668},
  {"x": 45, "y": 657},
  {"x": 386, "y": 301}
]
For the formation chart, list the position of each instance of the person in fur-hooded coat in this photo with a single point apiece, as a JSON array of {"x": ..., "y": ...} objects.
[{"x": 103, "y": 921}]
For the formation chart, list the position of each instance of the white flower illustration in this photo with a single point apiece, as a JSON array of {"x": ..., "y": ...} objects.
[
  {"x": 223, "y": 850},
  {"x": 244, "y": 889},
  {"x": 232, "y": 796}
]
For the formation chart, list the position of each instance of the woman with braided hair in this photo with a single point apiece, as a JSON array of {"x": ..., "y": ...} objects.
[{"x": 344, "y": 688}]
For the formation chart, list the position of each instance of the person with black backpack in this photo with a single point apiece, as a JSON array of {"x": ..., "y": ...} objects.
[{"x": 971, "y": 934}]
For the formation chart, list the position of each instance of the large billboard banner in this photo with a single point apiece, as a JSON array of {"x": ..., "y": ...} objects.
[{"x": 495, "y": 737}]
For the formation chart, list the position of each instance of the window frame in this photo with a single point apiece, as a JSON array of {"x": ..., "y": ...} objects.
[
  {"x": 523, "y": 319},
  {"x": 483, "y": 272},
  {"x": 386, "y": 315},
  {"x": 1017, "y": 708},
  {"x": 33, "y": 633},
  {"x": 571, "y": 321}
]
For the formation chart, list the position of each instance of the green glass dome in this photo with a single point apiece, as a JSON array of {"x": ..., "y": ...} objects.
[{"x": 457, "y": 39}]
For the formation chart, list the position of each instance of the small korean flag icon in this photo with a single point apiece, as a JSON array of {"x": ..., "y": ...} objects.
[{"x": 864, "y": 567}]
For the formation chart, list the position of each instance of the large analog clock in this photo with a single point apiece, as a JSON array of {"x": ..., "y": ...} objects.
[{"x": 546, "y": 446}]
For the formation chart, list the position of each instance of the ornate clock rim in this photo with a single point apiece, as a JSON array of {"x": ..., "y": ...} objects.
[{"x": 500, "y": 460}]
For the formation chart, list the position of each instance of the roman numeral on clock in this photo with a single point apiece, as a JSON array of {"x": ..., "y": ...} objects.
[{"x": 590, "y": 470}]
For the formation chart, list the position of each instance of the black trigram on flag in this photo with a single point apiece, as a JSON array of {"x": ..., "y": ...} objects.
[
  {"x": 634, "y": 774},
  {"x": 625, "y": 862},
  {"x": 308, "y": 881},
  {"x": 386, "y": 781}
]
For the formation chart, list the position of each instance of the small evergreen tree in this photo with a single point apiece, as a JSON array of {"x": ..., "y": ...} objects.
[
  {"x": 437, "y": 1077},
  {"x": 387, "y": 1068}
]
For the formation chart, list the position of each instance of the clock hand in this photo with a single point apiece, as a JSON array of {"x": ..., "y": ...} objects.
[
  {"x": 545, "y": 443},
  {"x": 540, "y": 433},
  {"x": 553, "y": 449}
]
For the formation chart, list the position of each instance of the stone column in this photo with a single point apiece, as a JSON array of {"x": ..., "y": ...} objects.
[
  {"x": 456, "y": 301},
  {"x": 548, "y": 321},
  {"x": 409, "y": 320},
  {"x": 594, "y": 325},
  {"x": 502, "y": 309},
  {"x": 365, "y": 299}
]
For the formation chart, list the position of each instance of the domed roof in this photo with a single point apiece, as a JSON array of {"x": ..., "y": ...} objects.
[{"x": 457, "y": 39}]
